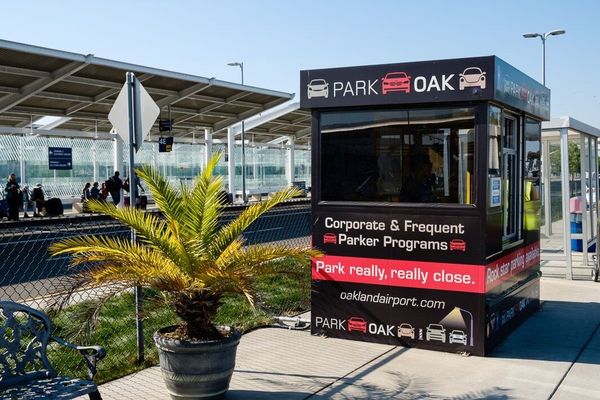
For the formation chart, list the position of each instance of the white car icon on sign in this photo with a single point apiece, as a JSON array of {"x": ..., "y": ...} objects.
[
  {"x": 472, "y": 77},
  {"x": 318, "y": 88}
]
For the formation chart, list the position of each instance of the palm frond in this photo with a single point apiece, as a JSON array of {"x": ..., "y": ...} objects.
[
  {"x": 203, "y": 207},
  {"x": 117, "y": 260},
  {"x": 226, "y": 235},
  {"x": 150, "y": 229},
  {"x": 256, "y": 260},
  {"x": 164, "y": 194}
]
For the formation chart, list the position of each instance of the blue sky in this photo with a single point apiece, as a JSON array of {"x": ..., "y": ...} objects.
[{"x": 277, "y": 38}]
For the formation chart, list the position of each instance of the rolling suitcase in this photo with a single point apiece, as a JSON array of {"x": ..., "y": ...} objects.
[
  {"x": 54, "y": 207},
  {"x": 3, "y": 208}
]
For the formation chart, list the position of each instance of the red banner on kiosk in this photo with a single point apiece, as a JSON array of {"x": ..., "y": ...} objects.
[
  {"x": 503, "y": 268},
  {"x": 427, "y": 275},
  {"x": 416, "y": 274}
]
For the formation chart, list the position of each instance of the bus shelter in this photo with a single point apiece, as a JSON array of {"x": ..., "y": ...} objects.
[
  {"x": 570, "y": 208},
  {"x": 425, "y": 201}
]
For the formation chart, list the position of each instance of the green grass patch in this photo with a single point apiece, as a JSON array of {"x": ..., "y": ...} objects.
[{"x": 115, "y": 329}]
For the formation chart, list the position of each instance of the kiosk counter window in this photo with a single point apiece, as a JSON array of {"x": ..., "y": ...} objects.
[
  {"x": 400, "y": 156},
  {"x": 425, "y": 201}
]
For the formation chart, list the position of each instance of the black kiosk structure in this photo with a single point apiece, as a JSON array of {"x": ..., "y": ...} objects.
[{"x": 425, "y": 201}]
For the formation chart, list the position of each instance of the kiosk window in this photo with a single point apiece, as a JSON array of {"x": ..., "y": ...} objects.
[{"x": 403, "y": 156}]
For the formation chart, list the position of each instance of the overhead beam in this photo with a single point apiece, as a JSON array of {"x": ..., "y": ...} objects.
[
  {"x": 247, "y": 114},
  {"x": 104, "y": 95},
  {"x": 30, "y": 89},
  {"x": 117, "y": 85},
  {"x": 185, "y": 93},
  {"x": 56, "y": 132}
]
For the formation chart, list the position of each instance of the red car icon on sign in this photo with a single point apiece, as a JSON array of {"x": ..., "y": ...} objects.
[
  {"x": 329, "y": 238},
  {"x": 395, "y": 82},
  {"x": 357, "y": 324},
  {"x": 458, "y": 244}
]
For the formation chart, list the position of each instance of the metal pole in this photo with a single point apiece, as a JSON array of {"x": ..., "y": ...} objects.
[
  {"x": 134, "y": 126},
  {"x": 564, "y": 176},
  {"x": 543, "y": 60},
  {"x": 244, "y": 198}
]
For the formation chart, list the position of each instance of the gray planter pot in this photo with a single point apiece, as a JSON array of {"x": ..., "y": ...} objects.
[{"x": 196, "y": 370}]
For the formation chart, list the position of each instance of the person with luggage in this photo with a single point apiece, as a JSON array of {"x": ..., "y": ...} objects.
[
  {"x": 13, "y": 194},
  {"x": 114, "y": 184},
  {"x": 37, "y": 197}
]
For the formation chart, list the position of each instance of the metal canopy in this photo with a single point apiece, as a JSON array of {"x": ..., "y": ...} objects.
[
  {"x": 555, "y": 124},
  {"x": 273, "y": 127},
  {"x": 37, "y": 81}
]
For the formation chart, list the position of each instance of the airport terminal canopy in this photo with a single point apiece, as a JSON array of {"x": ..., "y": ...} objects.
[{"x": 37, "y": 81}]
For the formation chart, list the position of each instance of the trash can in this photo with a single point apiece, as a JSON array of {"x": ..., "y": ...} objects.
[{"x": 575, "y": 222}]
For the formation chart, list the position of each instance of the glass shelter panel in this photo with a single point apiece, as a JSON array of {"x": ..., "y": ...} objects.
[{"x": 532, "y": 176}]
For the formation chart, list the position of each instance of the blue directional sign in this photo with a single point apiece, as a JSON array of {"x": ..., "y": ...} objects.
[{"x": 60, "y": 158}]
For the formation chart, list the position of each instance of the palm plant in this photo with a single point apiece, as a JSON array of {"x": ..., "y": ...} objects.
[{"x": 186, "y": 254}]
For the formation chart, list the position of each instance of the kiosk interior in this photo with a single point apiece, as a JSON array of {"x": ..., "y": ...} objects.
[{"x": 425, "y": 201}]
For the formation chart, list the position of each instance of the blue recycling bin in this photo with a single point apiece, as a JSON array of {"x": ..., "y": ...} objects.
[{"x": 575, "y": 222}]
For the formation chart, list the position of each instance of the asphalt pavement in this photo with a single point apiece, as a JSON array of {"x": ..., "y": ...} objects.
[{"x": 555, "y": 354}]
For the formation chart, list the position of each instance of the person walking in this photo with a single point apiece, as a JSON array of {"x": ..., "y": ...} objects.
[
  {"x": 12, "y": 192},
  {"x": 114, "y": 185}
]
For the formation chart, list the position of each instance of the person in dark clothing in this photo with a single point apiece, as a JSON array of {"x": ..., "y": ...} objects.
[
  {"x": 13, "y": 195},
  {"x": 95, "y": 192},
  {"x": 85, "y": 192},
  {"x": 420, "y": 183},
  {"x": 37, "y": 196},
  {"x": 115, "y": 184},
  {"x": 138, "y": 184}
]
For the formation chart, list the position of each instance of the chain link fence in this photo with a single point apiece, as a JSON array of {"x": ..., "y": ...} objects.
[{"x": 29, "y": 275}]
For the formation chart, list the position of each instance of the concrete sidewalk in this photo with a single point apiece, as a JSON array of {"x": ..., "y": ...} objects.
[{"x": 555, "y": 354}]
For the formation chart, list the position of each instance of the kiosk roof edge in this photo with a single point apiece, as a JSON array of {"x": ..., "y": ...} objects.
[{"x": 487, "y": 78}]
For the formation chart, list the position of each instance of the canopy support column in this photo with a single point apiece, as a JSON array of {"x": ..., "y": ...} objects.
[
  {"x": 290, "y": 168},
  {"x": 208, "y": 143},
  {"x": 564, "y": 172},
  {"x": 231, "y": 161}
]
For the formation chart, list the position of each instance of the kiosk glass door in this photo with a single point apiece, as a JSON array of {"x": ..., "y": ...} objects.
[{"x": 511, "y": 173}]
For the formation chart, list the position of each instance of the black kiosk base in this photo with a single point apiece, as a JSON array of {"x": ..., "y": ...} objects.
[{"x": 425, "y": 201}]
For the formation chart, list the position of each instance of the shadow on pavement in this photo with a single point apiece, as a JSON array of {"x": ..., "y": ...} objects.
[
  {"x": 264, "y": 395},
  {"x": 559, "y": 331},
  {"x": 399, "y": 386}
]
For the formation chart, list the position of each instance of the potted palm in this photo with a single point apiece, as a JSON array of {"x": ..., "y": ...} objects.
[{"x": 194, "y": 261}]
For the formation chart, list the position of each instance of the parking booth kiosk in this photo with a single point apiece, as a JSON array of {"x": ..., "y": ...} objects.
[{"x": 425, "y": 201}]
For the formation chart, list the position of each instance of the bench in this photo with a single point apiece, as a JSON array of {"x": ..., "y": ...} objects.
[{"x": 25, "y": 371}]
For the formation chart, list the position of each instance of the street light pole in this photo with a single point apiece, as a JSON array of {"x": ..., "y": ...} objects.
[
  {"x": 244, "y": 197},
  {"x": 544, "y": 36}
]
